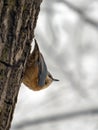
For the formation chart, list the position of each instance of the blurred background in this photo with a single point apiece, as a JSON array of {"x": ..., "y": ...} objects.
[{"x": 67, "y": 33}]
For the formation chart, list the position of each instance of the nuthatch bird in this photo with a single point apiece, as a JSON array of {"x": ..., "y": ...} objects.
[{"x": 36, "y": 75}]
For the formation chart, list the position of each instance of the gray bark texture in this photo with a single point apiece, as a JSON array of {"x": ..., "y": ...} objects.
[{"x": 17, "y": 23}]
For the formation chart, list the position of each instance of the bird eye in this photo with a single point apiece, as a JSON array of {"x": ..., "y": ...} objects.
[{"x": 45, "y": 81}]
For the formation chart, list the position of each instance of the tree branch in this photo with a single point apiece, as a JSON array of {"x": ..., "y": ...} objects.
[{"x": 17, "y": 23}]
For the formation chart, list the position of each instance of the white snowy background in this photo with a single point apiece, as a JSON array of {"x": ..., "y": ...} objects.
[{"x": 67, "y": 33}]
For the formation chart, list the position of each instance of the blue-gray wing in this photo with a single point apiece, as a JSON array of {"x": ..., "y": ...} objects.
[{"x": 42, "y": 71}]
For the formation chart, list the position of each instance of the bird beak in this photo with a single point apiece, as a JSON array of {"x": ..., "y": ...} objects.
[{"x": 55, "y": 79}]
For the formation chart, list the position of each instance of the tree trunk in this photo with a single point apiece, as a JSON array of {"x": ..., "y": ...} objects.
[{"x": 17, "y": 23}]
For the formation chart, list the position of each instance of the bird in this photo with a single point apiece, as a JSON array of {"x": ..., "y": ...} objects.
[{"x": 36, "y": 75}]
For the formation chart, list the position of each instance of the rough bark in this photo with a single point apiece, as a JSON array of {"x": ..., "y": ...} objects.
[{"x": 17, "y": 23}]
